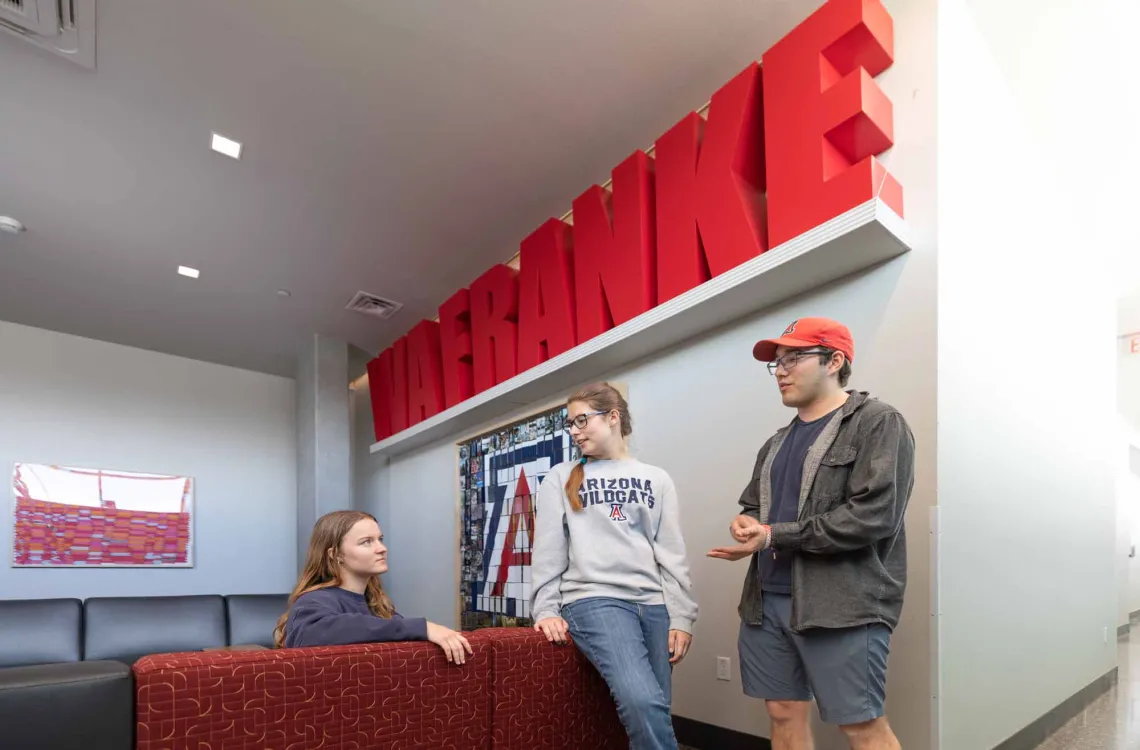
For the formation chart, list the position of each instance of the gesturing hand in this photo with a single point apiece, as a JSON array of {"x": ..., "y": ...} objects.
[
  {"x": 554, "y": 628},
  {"x": 755, "y": 537},
  {"x": 740, "y": 526},
  {"x": 679, "y": 642},
  {"x": 455, "y": 646}
]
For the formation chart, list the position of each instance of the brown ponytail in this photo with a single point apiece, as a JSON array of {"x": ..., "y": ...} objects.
[
  {"x": 574, "y": 483},
  {"x": 601, "y": 397}
]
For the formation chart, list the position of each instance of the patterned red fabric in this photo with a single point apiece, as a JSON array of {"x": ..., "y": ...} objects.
[
  {"x": 516, "y": 692},
  {"x": 547, "y": 696},
  {"x": 363, "y": 697}
]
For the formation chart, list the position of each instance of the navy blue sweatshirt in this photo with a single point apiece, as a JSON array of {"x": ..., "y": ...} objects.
[{"x": 336, "y": 617}]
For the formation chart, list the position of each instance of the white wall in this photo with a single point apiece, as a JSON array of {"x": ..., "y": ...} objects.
[
  {"x": 704, "y": 409},
  {"x": 1128, "y": 389},
  {"x": 1126, "y": 453},
  {"x": 1027, "y": 509},
  {"x": 1125, "y": 531},
  {"x": 74, "y": 401},
  {"x": 1128, "y": 505}
]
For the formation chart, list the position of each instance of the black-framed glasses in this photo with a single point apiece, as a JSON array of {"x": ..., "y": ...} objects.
[
  {"x": 791, "y": 359},
  {"x": 581, "y": 420}
]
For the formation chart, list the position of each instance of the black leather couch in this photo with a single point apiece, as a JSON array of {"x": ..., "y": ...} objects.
[{"x": 65, "y": 675}]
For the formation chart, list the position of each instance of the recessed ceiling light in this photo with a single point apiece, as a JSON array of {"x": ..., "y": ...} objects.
[
  {"x": 10, "y": 225},
  {"x": 227, "y": 146},
  {"x": 283, "y": 293},
  {"x": 188, "y": 271}
]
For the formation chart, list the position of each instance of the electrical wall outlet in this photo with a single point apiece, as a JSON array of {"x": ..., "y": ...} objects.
[{"x": 723, "y": 668}]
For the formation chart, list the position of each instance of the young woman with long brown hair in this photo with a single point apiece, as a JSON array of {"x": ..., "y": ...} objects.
[
  {"x": 339, "y": 598},
  {"x": 609, "y": 565}
]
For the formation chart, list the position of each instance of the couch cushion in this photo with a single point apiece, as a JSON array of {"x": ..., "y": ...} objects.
[
  {"x": 126, "y": 628},
  {"x": 40, "y": 631},
  {"x": 70, "y": 706},
  {"x": 252, "y": 618},
  {"x": 382, "y": 696}
]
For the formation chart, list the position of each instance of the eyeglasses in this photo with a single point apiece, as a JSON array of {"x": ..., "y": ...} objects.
[
  {"x": 791, "y": 359},
  {"x": 581, "y": 420}
]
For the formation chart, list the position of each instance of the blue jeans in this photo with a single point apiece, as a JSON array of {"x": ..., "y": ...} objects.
[{"x": 629, "y": 646}]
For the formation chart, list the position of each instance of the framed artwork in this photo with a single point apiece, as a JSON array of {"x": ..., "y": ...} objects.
[
  {"x": 74, "y": 517},
  {"x": 499, "y": 474}
]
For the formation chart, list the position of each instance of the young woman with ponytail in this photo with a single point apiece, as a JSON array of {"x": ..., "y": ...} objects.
[
  {"x": 339, "y": 599},
  {"x": 609, "y": 565}
]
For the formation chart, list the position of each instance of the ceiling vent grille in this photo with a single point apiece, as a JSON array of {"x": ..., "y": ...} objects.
[
  {"x": 63, "y": 27},
  {"x": 373, "y": 305},
  {"x": 35, "y": 16}
]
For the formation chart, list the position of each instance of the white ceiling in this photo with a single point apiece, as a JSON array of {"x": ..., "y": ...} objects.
[{"x": 394, "y": 146}]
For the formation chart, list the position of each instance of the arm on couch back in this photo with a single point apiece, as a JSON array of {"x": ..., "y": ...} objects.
[{"x": 389, "y": 695}]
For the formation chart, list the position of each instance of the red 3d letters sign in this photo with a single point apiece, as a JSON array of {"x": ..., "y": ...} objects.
[
  {"x": 787, "y": 145},
  {"x": 825, "y": 119}
]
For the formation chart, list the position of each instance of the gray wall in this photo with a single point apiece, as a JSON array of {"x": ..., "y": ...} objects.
[
  {"x": 324, "y": 435},
  {"x": 69, "y": 400},
  {"x": 305, "y": 388},
  {"x": 422, "y": 532},
  {"x": 370, "y": 480}
]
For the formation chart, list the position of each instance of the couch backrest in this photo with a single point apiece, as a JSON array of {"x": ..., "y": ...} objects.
[
  {"x": 40, "y": 631},
  {"x": 368, "y": 695},
  {"x": 252, "y": 618},
  {"x": 126, "y": 628},
  {"x": 515, "y": 691}
]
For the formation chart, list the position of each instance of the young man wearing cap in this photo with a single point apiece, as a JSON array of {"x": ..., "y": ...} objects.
[{"x": 822, "y": 520}]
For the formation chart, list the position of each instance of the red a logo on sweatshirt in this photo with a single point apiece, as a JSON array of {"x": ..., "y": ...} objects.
[{"x": 616, "y": 513}]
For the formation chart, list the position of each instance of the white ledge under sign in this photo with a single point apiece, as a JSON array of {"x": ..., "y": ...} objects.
[{"x": 858, "y": 239}]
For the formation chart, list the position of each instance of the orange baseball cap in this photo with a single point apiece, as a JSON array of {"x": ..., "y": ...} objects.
[{"x": 809, "y": 332}]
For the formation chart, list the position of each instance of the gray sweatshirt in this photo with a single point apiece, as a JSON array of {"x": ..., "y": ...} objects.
[{"x": 624, "y": 544}]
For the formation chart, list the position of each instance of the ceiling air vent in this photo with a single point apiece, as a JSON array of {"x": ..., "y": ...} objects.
[
  {"x": 63, "y": 27},
  {"x": 39, "y": 17},
  {"x": 370, "y": 304}
]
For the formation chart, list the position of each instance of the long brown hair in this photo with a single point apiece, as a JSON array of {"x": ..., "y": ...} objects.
[
  {"x": 322, "y": 570},
  {"x": 601, "y": 397}
]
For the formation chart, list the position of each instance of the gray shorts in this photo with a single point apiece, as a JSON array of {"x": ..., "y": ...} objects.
[{"x": 844, "y": 670}]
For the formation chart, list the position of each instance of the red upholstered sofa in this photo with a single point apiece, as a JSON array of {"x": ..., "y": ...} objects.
[{"x": 516, "y": 692}]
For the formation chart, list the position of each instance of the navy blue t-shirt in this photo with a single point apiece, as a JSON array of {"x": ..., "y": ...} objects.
[
  {"x": 787, "y": 476},
  {"x": 336, "y": 617}
]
